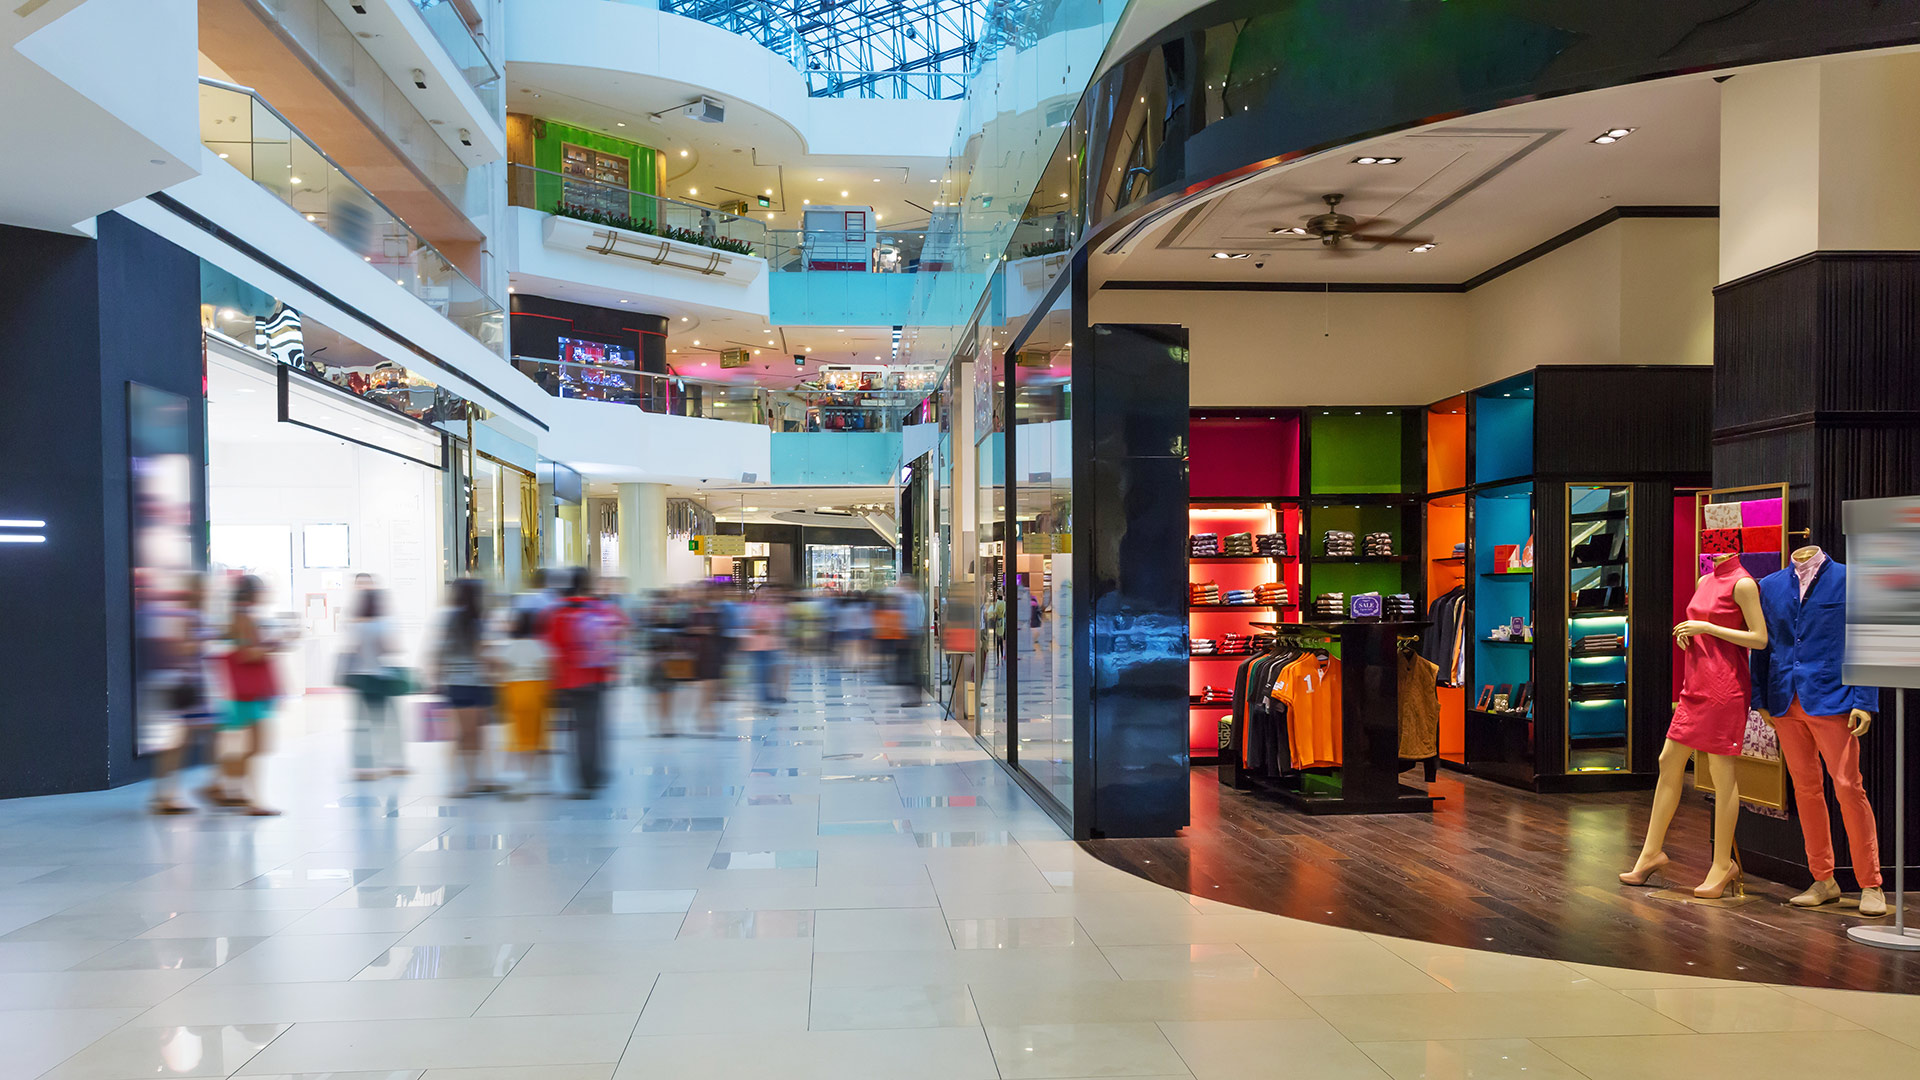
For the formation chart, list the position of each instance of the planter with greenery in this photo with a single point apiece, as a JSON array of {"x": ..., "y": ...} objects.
[{"x": 651, "y": 228}]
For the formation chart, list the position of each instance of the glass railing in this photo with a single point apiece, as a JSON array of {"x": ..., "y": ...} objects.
[
  {"x": 876, "y": 251},
  {"x": 806, "y": 409},
  {"x": 253, "y": 137},
  {"x": 624, "y": 208},
  {"x": 668, "y": 395},
  {"x": 450, "y": 29}
]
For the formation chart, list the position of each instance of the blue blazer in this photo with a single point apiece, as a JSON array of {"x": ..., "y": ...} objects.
[{"x": 1805, "y": 643}]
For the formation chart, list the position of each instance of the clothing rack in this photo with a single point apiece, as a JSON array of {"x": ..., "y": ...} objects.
[{"x": 1367, "y": 780}]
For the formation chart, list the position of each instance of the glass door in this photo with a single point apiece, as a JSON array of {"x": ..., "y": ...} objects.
[{"x": 1599, "y": 576}]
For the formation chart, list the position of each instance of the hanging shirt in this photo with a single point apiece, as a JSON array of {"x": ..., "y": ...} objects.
[{"x": 1310, "y": 689}]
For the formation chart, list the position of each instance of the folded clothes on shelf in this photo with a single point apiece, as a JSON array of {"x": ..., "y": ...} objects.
[
  {"x": 1377, "y": 543},
  {"x": 1337, "y": 544},
  {"x": 1400, "y": 606},
  {"x": 1596, "y": 691},
  {"x": 1271, "y": 593},
  {"x": 1202, "y": 545},
  {"x": 1203, "y": 646},
  {"x": 1270, "y": 544},
  {"x": 1599, "y": 645},
  {"x": 1237, "y": 544}
]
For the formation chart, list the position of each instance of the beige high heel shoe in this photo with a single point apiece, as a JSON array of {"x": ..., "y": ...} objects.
[
  {"x": 1658, "y": 864},
  {"x": 1709, "y": 891}
]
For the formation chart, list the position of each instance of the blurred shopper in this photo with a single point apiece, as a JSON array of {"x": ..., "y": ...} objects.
[
  {"x": 852, "y": 624},
  {"x": 464, "y": 672},
  {"x": 585, "y": 633},
  {"x": 707, "y": 639},
  {"x": 540, "y": 599},
  {"x": 252, "y": 687},
  {"x": 525, "y": 667},
  {"x": 763, "y": 635},
  {"x": 179, "y": 694},
  {"x": 888, "y": 629},
  {"x": 911, "y": 650},
  {"x": 367, "y": 665},
  {"x": 670, "y": 656}
]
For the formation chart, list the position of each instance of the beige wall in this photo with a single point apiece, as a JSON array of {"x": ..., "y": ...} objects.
[
  {"x": 1638, "y": 291},
  {"x": 1819, "y": 156}
]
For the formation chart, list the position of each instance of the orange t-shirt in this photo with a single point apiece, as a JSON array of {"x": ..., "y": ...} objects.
[{"x": 1312, "y": 697}]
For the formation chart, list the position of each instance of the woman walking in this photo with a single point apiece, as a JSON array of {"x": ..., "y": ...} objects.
[
  {"x": 463, "y": 671},
  {"x": 252, "y": 687},
  {"x": 377, "y": 749}
]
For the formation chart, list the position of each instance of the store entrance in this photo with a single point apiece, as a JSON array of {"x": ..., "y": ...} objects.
[{"x": 306, "y": 511}]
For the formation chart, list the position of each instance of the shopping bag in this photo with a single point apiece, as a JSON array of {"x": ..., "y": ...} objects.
[{"x": 436, "y": 722}]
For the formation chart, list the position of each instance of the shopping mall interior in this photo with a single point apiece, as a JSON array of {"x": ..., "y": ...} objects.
[{"x": 553, "y": 552}]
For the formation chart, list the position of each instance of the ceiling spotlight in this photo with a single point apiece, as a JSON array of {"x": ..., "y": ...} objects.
[
  {"x": 1371, "y": 160},
  {"x": 1063, "y": 194},
  {"x": 619, "y": 123},
  {"x": 1230, "y": 254},
  {"x": 624, "y": 301},
  {"x": 843, "y": 194},
  {"x": 1613, "y": 135},
  {"x": 683, "y": 318},
  {"x": 696, "y": 341},
  {"x": 819, "y": 179},
  {"x": 1422, "y": 249},
  {"x": 1294, "y": 231},
  {"x": 693, "y": 191},
  {"x": 769, "y": 191}
]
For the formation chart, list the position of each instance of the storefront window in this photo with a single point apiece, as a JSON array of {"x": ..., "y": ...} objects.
[{"x": 1042, "y": 569}]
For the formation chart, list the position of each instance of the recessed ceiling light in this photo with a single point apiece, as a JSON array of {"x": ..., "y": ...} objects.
[
  {"x": 619, "y": 123},
  {"x": 1613, "y": 135},
  {"x": 1295, "y": 231},
  {"x": 223, "y": 157},
  {"x": 696, "y": 341},
  {"x": 623, "y": 301},
  {"x": 1422, "y": 249},
  {"x": 819, "y": 179},
  {"x": 749, "y": 509},
  {"x": 293, "y": 179},
  {"x": 1372, "y": 160},
  {"x": 693, "y": 191},
  {"x": 806, "y": 202},
  {"x": 683, "y": 318},
  {"x": 876, "y": 179},
  {"x": 1063, "y": 194},
  {"x": 1230, "y": 254},
  {"x": 683, "y": 153},
  {"x": 769, "y": 191},
  {"x": 843, "y": 194}
]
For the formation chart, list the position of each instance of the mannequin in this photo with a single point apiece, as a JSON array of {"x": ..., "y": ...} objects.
[
  {"x": 1723, "y": 620},
  {"x": 1797, "y": 688}
]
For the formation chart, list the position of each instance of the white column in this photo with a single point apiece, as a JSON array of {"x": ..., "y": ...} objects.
[{"x": 643, "y": 535}]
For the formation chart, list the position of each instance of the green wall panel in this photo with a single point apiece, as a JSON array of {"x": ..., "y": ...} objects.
[{"x": 642, "y": 162}]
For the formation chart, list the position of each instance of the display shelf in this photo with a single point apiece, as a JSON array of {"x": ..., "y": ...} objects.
[
  {"x": 1504, "y": 641},
  {"x": 1218, "y": 656},
  {"x": 1209, "y": 704},
  {"x": 1598, "y": 613},
  {"x": 1360, "y": 558},
  {"x": 1598, "y": 515},
  {"x": 1241, "y": 558},
  {"x": 1609, "y": 565},
  {"x": 1239, "y": 607},
  {"x": 1506, "y": 573},
  {"x": 1455, "y": 559}
]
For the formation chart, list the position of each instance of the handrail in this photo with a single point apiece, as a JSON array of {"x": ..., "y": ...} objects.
[
  {"x": 440, "y": 283},
  {"x": 694, "y": 218},
  {"x": 429, "y": 13}
]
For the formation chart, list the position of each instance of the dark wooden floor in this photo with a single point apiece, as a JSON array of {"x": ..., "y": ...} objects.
[{"x": 1505, "y": 870}]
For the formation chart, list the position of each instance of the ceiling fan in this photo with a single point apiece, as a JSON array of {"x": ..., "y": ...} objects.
[{"x": 1334, "y": 229}]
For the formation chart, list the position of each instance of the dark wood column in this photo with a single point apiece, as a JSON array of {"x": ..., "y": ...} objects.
[{"x": 1817, "y": 383}]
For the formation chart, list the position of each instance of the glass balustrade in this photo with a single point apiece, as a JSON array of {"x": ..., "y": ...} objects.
[
  {"x": 450, "y": 29},
  {"x": 251, "y": 136},
  {"x": 804, "y": 409},
  {"x": 620, "y": 207}
]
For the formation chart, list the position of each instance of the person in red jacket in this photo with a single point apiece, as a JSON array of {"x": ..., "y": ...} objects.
[{"x": 585, "y": 633}]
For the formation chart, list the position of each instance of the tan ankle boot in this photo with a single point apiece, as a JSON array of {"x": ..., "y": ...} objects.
[{"x": 1822, "y": 892}]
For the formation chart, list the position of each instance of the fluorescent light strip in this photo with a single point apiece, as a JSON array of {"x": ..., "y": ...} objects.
[
  {"x": 21, "y": 538},
  {"x": 21, "y": 524}
]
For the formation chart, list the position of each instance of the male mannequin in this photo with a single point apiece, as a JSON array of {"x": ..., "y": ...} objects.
[{"x": 1797, "y": 688}]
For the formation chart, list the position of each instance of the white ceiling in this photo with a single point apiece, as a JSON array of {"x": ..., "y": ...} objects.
[{"x": 1484, "y": 188}]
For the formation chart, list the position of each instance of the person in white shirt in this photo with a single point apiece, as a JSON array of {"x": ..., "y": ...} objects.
[{"x": 377, "y": 747}]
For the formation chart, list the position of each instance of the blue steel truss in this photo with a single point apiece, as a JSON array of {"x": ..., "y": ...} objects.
[{"x": 866, "y": 48}]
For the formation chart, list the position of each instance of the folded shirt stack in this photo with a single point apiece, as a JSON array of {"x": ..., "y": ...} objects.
[
  {"x": 1366, "y": 605},
  {"x": 1210, "y": 695},
  {"x": 1377, "y": 543},
  {"x": 1270, "y": 544},
  {"x": 1331, "y": 605},
  {"x": 1239, "y": 596},
  {"x": 1239, "y": 545},
  {"x": 1337, "y": 544},
  {"x": 1271, "y": 593},
  {"x": 1399, "y": 606},
  {"x": 1204, "y": 592},
  {"x": 1232, "y": 644},
  {"x": 1599, "y": 645},
  {"x": 1202, "y": 545},
  {"x": 1460, "y": 550},
  {"x": 1204, "y": 647},
  {"x": 1596, "y": 691}
]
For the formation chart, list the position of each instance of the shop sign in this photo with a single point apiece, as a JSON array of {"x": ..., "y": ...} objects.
[
  {"x": 733, "y": 358},
  {"x": 1036, "y": 544},
  {"x": 710, "y": 545}
]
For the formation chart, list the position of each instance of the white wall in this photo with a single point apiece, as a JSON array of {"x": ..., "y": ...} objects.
[
  {"x": 1637, "y": 291},
  {"x": 1309, "y": 348},
  {"x": 533, "y": 259},
  {"x": 606, "y": 441}
]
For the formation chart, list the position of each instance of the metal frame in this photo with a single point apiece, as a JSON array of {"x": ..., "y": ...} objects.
[{"x": 860, "y": 48}]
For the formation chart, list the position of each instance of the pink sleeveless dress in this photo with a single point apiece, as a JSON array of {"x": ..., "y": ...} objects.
[{"x": 1716, "y": 683}]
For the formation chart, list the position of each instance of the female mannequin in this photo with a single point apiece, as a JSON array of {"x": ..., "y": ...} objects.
[{"x": 1723, "y": 621}]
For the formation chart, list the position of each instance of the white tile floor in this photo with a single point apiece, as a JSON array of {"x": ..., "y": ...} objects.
[{"x": 841, "y": 889}]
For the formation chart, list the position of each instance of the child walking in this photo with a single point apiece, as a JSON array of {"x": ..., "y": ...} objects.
[{"x": 524, "y": 670}]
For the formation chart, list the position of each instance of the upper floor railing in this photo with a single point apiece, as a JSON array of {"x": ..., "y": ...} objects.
[
  {"x": 253, "y": 137},
  {"x": 783, "y": 410},
  {"x": 625, "y": 208},
  {"x": 450, "y": 29}
]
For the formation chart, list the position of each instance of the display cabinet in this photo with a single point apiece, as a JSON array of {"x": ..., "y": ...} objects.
[{"x": 1599, "y": 681}]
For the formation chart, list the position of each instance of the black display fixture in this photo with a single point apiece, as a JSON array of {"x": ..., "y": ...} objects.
[{"x": 1817, "y": 384}]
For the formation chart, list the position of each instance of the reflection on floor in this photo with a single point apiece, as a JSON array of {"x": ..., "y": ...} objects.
[
  {"x": 1498, "y": 868},
  {"x": 842, "y": 889}
]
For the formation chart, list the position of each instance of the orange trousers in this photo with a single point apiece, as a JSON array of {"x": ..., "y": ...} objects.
[{"x": 1805, "y": 741}]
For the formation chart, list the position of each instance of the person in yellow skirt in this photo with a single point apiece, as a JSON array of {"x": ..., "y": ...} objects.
[{"x": 524, "y": 666}]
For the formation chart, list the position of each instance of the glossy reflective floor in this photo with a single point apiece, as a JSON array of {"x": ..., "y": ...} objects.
[
  {"x": 844, "y": 889},
  {"x": 1502, "y": 869}
]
